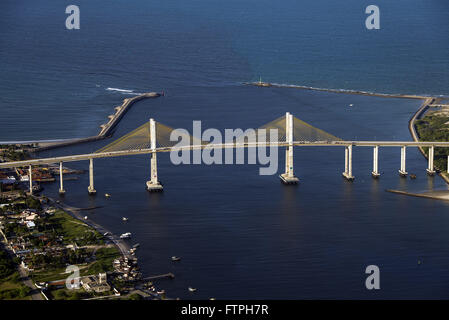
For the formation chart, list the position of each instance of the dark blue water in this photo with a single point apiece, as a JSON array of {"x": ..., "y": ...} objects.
[{"x": 242, "y": 235}]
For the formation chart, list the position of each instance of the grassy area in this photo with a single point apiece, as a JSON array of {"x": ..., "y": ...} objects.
[
  {"x": 66, "y": 294},
  {"x": 435, "y": 128},
  {"x": 73, "y": 230},
  {"x": 49, "y": 274},
  {"x": 104, "y": 259}
]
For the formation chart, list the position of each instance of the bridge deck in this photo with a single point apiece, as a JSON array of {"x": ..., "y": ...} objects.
[{"x": 81, "y": 157}]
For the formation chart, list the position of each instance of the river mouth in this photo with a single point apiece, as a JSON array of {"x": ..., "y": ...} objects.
[{"x": 242, "y": 235}]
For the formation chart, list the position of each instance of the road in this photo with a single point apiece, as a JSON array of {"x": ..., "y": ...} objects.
[{"x": 35, "y": 292}]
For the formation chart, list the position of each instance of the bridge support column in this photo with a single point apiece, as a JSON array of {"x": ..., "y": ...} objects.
[
  {"x": 375, "y": 172},
  {"x": 30, "y": 178},
  {"x": 91, "y": 190},
  {"x": 288, "y": 177},
  {"x": 348, "y": 164},
  {"x": 61, "y": 180},
  {"x": 153, "y": 185},
  {"x": 402, "y": 171},
  {"x": 431, "y": 169}
]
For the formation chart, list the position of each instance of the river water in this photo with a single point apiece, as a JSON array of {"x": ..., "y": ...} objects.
[{"x": 242, "y": 235}]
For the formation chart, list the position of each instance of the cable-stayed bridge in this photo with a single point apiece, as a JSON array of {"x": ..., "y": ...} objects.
[{"x": 153, "y": 137}]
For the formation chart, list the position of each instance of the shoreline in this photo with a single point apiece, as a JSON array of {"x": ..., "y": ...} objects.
[
  {"x": 434, "y": 195},
  {"x": 75, "y": 213},
  {"x": 412, "y": 128},
  {"x": 427, "y": 101}
]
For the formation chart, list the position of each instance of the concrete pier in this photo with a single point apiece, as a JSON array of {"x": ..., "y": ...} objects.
[
  {"x": 91, "y": 190},
  {"x": 288, "y": 177},
  {"x": 402, "y": 171},
  {"x": 153, "y": 185},
  {"x": 431, "y": 168},
  {"x": 375, "y": 172},
  {"x": 30, "y": 178},
  {"x": 61, "y": 180},
  {"x": 348, "y": 164}
]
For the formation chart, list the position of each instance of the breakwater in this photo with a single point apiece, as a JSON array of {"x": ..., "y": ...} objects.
[
  {"x": 346, "y": 91},
  {"x": 106, "y": 129}
]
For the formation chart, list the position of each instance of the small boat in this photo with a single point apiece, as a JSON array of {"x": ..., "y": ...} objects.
[
  {"x": 106, "y": 234},
  {"x": 175, "y": 258},
  {"x": 351, "y": 105},
  {"x": 412, "y": 176},
  {"x": 160, "y": 292},
  {"x": 126, "y": 235},
  {"x": 192, "y": 289},
  {"x": 107, "y": 195},
  {"x": 85, "y": 217},
  {"x": 125, "y": 219}
]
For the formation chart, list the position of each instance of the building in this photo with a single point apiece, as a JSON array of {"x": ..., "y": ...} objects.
[
  {"x": 96, "y": 284},
  {"x": 30, "y": 225}
]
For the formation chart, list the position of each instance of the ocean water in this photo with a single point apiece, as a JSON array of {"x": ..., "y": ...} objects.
[
  {"x": 54, "y": 81},
  {"x": 242, "y": 235}
]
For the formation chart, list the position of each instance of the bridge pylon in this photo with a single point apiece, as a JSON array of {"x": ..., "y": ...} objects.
[
  {"x": 153, "y": 185},
  {"x": 348, "y": 164},
  {"x": 288, "y": 177},
  {"x": 91, "y": 189},
  {"x": 403, "y": 172}
]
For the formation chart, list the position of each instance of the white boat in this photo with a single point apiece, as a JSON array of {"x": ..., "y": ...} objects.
[
  {"x": 125, "y": 219},
  {"x": 351, "y": 105},
  {"x": 192, "y": 289},
  {"x": 175, "y": 258},
  {"x": 107, "y": 195},
  {"x": 126, "y": 235},
  {"x": 85, "y": 217}
]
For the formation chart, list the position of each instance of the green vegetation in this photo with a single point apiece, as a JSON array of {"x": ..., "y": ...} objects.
[
  {"x": 435, "y": 128},
  {"x": 49, "y": 274},
  {"x": 10, "y": 285},
  {"x": 13, "y": 153},
  {"x": 104, "y": 259},
  {"x": 66, "y": 294},
  {"x": 73, "y": 230},
  {"x": 7, "y": 266}
]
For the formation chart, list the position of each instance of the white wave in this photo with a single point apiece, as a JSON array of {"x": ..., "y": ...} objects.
[{"x": 120, "y": 90}]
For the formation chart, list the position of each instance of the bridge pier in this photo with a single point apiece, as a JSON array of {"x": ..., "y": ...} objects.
[
  {"x": 431, "y": 168},
  {"x": 30, "y": 178},
  {"x": 375, "y": 172},
  {"x": 61, "y": 180},
  {"x": 348, "y": 164},
  {"x": 153, "y": 185},
  {"x": 402, "y": 171},
  {"x": 91, "y": 190},
  {"x": 288, "y": 177}
]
